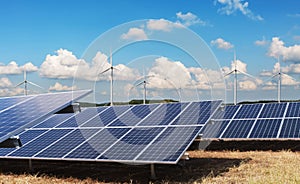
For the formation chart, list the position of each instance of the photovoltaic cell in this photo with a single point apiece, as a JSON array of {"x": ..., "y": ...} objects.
[
  {"x": 170, "y": 145},
  {"x": 273, "y": 110},
  {"x": 238, "y": 129},
  {"x": 214, "y": 129},
  {"x": 248, "y": 111},
  {"x": 266, "y": 128},
  {"x": 293, "y": 110},
  {"x": 227, "y": 113},
  {"x": 290, "y": 128}
]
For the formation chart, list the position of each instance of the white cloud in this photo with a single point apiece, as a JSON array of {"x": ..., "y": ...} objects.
[
  {"x": 134, "y": 34},
  {"x": 262, "y": 42},
  {"x": 65, "y": 65},
  {"x": 59, "y": 87},
  {"x": 13, "y": 68},
  {"x": 232, "y": 6},
  {"x": 5, "y": 82},
  {"x": 247, "y": 85},
  {"x": 11, "y": 91},
  {"x": 290, "y": 53},
  {"x": 239, "y": 65},
  {"x": 189, "y": 19},
  {"x": 162, "y": 25},
  {"x": 221, "y": 44},
  {"x": 168, "y": 74}
]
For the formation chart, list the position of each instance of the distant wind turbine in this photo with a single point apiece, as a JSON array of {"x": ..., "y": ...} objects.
[
  {"x": 144, "y": 82},
  {"x": 235, "y": 71},
  {"x": 25, "y": 81},
  {"x": 279, "y": 83},
  {"x": 111, "y": 68}
]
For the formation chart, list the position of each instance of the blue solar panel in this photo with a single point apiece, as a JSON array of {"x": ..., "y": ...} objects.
[
  {"x": 164, "y": 115},
  {"x": 214, "y": 129},
  {"x": 29, "y": 112},
  {"x": 54, "y": 120},
  {"x": 67, "y": 143},
  {"x": 170, "y": 145},
  {"x": 135, "y": 115},
  {"x": 293, "y": 110},
  {"x": 248, "y": 111},
  {"x": 227, "y": 113},
  {"x": 197, "y": 113},
  {"x": 40, "y": 143},
  {"x": 266, "y": 128},
  {"x": 97, "y": 144},
  {"x": 131, "y": 144},
  {"x": 273, "y": 110},
  {"x": 8, "y": 102},
  {"x": 290, "y": 128},
  {"x": 238, "y": 129},
  {"x": 107, "y": 116},
  {"x": 143, "y": 132}
]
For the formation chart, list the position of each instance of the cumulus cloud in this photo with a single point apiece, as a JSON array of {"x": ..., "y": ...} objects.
[
  {"x": 59, "y": 87},
  {"x": 13, "y": 68},
  {"x": 5, "y": 82},
  {"x": 278, "y": 49},
  {"x": 238, "y": 64},
  {"x": 168, "y": 74},
  {"x": 221, "y": 44},
  {"x": 162, "y": 25},
  {"x": 65, "y": 65},
  {"x": 262, "y": 42},
  {"x": 134, "y": 34},
  {"x": 233, "y": 6},
  {"x": 189, "y": 19}
]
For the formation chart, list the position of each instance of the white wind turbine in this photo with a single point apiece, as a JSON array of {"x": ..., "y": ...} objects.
[
  {"x": 279, "y": 83},
  {"x": 235, "y": 71},
  {"x": 111, "y": 68},
  {"x": 144, "y": 82},
  {"x": 25, "y": 82}
]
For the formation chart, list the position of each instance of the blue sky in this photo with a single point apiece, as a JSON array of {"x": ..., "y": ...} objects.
[{"x": 31, "y": 30}]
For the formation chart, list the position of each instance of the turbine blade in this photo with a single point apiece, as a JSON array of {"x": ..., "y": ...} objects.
[
  {"x": 140, "y": 83},
  {"x": 104, "y": 71},
  {"x": 251, "y": 76},
  {"x": 229, "y": 73},
  {"x": 20, "y": 84},
  {"x": 34, "y": 84}
]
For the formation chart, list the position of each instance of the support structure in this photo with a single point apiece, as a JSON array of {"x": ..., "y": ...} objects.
[{"x": 153, "y": 175}]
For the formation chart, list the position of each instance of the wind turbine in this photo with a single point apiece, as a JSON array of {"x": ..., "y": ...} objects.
[
  {"x": 111, "y": 68},
  {"x": 25, "y": 82},
  {"x": 144, "y": 83},
  {"x": 235, "y": 71}
]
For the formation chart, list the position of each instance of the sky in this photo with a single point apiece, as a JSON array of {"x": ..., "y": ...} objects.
[{"x": 184, "y": 48}]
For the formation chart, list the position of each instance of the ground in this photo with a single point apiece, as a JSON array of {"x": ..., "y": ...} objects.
[{"x": 203, "y": 167}]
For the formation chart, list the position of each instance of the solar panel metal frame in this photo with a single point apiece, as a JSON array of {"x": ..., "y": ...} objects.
[
  {"x": 35, "y": 121},
  {"x": 165, "y": 127}
]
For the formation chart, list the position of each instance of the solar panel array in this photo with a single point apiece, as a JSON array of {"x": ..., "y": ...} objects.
[
  {"x": 256, "y": 121},
  {"x": 157, "y": 133},
  {"x": 17, "y": 113}
]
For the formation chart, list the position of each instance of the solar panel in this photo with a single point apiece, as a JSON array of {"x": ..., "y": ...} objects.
[
  {"x": 136, "y": 134},
  {"x": 30, "y": 111},
  {"x": 255, "y": 121}
]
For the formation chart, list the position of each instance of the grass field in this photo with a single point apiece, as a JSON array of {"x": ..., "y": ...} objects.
[{"x": 203, "y": 167}]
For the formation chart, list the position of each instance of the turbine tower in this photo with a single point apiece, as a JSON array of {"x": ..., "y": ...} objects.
[
  {"x": 279, "y": 81},
  {"x": 25, "y": 82},
  {"x": 111, "y": 68},
  {"x": 235, "y": 71}
]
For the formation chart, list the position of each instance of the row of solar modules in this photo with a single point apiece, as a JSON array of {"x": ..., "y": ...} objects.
[
  {"x": 17, "y": 113},
  {"x": 157, "y": 133},
  {"x": 255, "y": 121}
]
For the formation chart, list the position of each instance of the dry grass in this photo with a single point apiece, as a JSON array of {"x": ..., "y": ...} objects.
[{"x": 203, "y": 167}]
